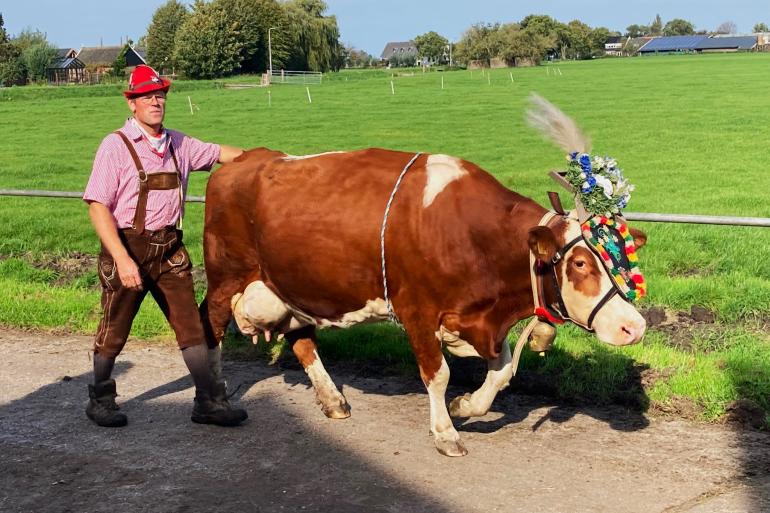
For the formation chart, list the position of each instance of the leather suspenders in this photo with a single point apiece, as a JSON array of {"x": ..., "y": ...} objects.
[{"x": 160, "y": 181}]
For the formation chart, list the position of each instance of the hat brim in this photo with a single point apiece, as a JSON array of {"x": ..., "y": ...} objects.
[{"x": 164, "y": 86}]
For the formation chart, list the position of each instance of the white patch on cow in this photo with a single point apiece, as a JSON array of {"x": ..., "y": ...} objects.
[
  {"x": 325, "y": 388},
  {"x": 305, "y": 157},
  {"x": 441, "y": 170},
  {"x": 440, "y": 423},
  {"x": 455, "y": 344},
  {"x": 499, "y": 373},
  {"x": 617, "y": 322},
  {"x": 375, "y": 310}
]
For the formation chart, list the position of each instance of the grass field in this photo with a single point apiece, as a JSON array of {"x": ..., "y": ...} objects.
[{"x": 690, "y": 131}]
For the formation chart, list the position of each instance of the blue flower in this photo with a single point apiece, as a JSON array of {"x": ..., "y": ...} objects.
[
  {"x": 573, "y": 155},
  {"x": 585, "y": 162},
  {"x": 589, "y": 184}
]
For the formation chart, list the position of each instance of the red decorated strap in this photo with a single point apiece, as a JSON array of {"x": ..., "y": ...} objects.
[{"x": 544, "y": 315}]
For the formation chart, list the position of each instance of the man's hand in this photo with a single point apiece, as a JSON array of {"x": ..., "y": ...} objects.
[
  {"x": 228, "y": 153},
  {"x": 129, "y": 273},
  {"x": 106, "y": 229}
]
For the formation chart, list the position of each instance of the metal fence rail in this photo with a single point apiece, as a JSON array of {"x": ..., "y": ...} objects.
[
  {"x": 630, "y": 216},
  {"x": 295, "y": 77}
]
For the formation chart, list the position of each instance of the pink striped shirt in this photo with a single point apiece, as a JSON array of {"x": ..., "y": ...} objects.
[{"x": 114, "y": 180}]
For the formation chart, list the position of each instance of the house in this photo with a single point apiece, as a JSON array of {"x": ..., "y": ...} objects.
[
  {"x": 391, "y": 49},
  {"x": 65, "y": 53},
  {"x": 614, "y": 46},
  {"x": 100, "y": 59}
]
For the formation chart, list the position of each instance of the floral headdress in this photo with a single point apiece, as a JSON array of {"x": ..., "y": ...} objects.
[
  {"x": 602, "y": 191},
  {"x": 598, "y": 183}
]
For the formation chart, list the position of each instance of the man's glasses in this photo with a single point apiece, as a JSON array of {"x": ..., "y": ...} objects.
[{"x": 148, "y": 98}]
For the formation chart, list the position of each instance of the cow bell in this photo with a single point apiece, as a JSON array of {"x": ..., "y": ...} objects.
[{"x": 542, "y": 337}]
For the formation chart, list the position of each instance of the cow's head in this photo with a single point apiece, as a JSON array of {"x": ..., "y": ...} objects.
[{"x": 584, "y": 284}]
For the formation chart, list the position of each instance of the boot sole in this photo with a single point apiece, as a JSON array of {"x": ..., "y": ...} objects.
[
  {"x": 116, "y": 423},
  {"x": 207, "y": 419}
]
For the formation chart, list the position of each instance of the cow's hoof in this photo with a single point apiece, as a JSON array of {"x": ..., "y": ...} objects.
[
  {"x": 451, "y": 448},
  {"x": 460, "y": 406},
  {"x": 337, "y": 411}
]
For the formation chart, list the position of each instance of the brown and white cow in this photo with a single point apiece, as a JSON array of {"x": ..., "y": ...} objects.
[{"x": 293, "y": 244}]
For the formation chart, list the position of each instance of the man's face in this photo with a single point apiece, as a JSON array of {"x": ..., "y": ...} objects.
[{"x": 149, "y": 108}]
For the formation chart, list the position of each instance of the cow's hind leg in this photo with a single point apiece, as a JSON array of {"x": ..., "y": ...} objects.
[
  {"x": 333, "y": 403},
  {"x": 499, "y": 373},
  {"x": 435, "y": 375}
]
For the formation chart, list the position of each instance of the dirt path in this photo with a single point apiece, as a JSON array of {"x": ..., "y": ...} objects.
[{"x": 526, "y": 455}]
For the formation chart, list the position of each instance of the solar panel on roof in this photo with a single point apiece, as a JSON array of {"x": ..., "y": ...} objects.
[
  {"x": 738, "y": 42},
  {"x": 673, "y": 43}
]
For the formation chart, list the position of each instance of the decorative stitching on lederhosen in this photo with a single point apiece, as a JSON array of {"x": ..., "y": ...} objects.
[{"x": 163, "y": 180}]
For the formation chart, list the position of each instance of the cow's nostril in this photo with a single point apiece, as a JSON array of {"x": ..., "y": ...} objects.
[{"x": 625, "y": 330}]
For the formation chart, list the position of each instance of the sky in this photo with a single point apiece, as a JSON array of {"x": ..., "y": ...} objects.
[{"x": 370, "y": 24}]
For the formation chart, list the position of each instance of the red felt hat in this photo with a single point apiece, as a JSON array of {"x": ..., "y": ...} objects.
[{"x": 143, "y": 80}]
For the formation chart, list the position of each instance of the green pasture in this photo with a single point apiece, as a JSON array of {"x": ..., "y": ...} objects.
[{"x": 691, "y": 132}]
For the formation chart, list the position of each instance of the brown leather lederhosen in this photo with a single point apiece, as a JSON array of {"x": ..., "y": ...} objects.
[{"x": 164, "y": 265}]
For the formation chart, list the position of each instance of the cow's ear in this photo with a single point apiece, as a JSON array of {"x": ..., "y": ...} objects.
[
  {"x": 640, "y": 238},
  {"x": 542, "y": 242}
]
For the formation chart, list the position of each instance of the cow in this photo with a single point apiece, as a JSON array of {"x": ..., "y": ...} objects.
[{"x": 296, "y": 243}]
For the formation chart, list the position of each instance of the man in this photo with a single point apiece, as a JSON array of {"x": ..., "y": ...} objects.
[{"x": 136, "y": 202}]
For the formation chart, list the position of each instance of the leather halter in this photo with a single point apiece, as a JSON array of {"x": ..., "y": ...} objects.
[{"x": 557, "y": 313}]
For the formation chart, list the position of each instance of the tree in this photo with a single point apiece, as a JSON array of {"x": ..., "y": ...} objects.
[
  {"x": 678, "y": 27},
  {"x": 578, "y": 44},
  {"x": 545, "y": 27},
  {"x": 524, "y": 44},
  {"x": 119, "y": 66},
  {"x": 254, "y": 19},
  {"x": 207, "y": 45},
  {"x": 599, "y": 37},
  {"x": 313, "y": 37},
  {"x": 481, "y": 42},
  {"x": 431, "y": 45},
  {"x": 355, "y": 58},
  {"x": 656, "y": 27},
  {"x": 34, "y": 52},
  {"x": 637, "y": 30},
  {"x": 761, "y": 27},
  {"x": 161, "y": 35},
  {"x": 37, "y": 58},
  {"x": 727, "y": 27}
]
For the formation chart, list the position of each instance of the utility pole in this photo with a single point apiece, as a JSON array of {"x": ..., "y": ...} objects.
[{"x": 270, "y": 50}]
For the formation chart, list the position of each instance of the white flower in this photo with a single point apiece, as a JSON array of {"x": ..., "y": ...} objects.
[{"x": 605, "y": 184}]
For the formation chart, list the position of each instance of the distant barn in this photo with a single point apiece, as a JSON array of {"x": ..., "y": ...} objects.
[
  {"x": 101, "y": 59},
  {"x": 699, "y": 44}
]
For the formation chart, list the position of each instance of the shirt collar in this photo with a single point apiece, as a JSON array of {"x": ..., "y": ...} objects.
[{"x": 133, "y": 131}]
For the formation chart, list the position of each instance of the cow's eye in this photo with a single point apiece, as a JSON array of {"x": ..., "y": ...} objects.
[{"x": 579, "y": 264}]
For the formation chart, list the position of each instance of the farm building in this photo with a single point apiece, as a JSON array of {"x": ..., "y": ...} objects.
[
  {"x": 100, "y": 59},
  {"x": 67, "y": 70},
  {"x": 699, "y": 44}
]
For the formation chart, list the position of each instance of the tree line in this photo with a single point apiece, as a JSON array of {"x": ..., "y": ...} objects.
[
  {"x": 226, "y": 37},
  {"x": 217, "y": 38}
]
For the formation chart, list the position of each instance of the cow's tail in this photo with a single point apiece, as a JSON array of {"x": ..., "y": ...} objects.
[{"x": 556, "y": 126}]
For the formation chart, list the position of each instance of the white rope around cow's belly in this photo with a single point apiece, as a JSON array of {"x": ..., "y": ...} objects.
[{"x": 391, "y": 313}]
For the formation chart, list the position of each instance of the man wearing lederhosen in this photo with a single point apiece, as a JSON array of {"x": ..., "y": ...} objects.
[{"x": 136, "y": 201}]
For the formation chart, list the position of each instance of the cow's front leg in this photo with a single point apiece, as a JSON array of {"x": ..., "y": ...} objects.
[
  {"x": 499, "y": 374},
  {"x": 333, "y": 403}
]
